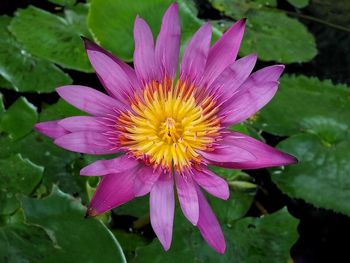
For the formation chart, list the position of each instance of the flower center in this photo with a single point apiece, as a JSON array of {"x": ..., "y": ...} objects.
[{"x": 167, "y": 126}]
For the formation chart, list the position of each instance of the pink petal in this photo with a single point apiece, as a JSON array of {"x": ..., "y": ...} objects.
[
  {"x": 118, "y": 78},
  {"x": 209, "y": 226},
  {"x": 86, "y": 142},
  {"x": 111, "y": 166},
  {"x": 162, "y": 205},
  {"x": 50, "y": 129},
  {"x": 253, "y": 94},
  {"x": 144, "y": 180},
  {"x": 212, "y": 183},
  {"x": 168, "y": 42},
  {"x": 230, "y": 80},
  {"x": 112, "y": 191},
  {"x": 228, "y": 153},
  {"x": 144, "y": 57},
  {"x": 245, "y": 104},
  {"x": 187, "y": 194},
  {"x": 84, "y": 123},
  {"x": 223, "y": 52},
  {"x": 89, "y": 100},
  {"x": 266, "y": 156},
  {"x": 195, "y": 55}
]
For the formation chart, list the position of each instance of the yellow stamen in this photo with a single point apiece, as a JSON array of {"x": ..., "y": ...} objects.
[{"x": 167, "y": 126}]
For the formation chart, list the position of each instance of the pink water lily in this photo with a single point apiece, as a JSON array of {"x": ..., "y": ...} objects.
[{"x": 169, "y": 129}]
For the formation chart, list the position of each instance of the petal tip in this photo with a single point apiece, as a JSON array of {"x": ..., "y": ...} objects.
[{"x": 90, "y": 212}]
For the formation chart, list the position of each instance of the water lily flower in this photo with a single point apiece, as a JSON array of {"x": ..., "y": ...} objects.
[{"x": 169, "y": 129}]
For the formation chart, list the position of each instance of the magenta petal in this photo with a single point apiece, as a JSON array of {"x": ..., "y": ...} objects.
[
  {"x": 228, "y": 153},
  {"x": 223, "y": 52},
  {"x": 112, "y": 191},
  {"x": 209, "y": 226},
  {"x": 111, "y": 166},
  {"x": 86, "y": 142},
  {"x": 245, "y": 104},
  {"x": 162, "y": 205},
  {"x": 186, "y": 191},
  {"x": 168, "y": 42},
  {"x": 84, "y": 123},
  {"x": 212, "y": 183},
  {"x": 118, "y": 78},
  {"x": 195, "y": 55},
  {"x": 89, "y": 100},
  {"x": 144, "y": 57},
  {"x": 230, "y": 80},
  {"x": 50, "y": 129},
  {"x": 266, "y": 156},
  {"x": 144, "y": 180}
]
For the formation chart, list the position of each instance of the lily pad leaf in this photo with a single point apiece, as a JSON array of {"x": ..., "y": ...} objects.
[
  {"x": 270, "y": 33},
  {"x": 78, "y": 239},
  {"x": 299, "y": 3},
  {"x": 323, "y": 168},
  {"x": 20, "y": 242},
  {"x": 25, "y": 72},
  {"x": 19, "y": 119},
  {"x": 249, "y": 240},
  {"x": 17, "y": 176},
  {"x": 116, "y": 35},
  {"x": 300, "y": 101},
  {"x": 53, "y": 37}
]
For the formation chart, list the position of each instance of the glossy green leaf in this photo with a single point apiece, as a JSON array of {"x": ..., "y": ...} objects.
[
  {"x": 270, "y": 33},
  {"x": 129, "y": 241},
  {"x": 63, "y": 2},
  {"x": 299, "y": 3},
  {"x": 5, "y": 83},
  {"x": 20, "y": 242},
  {"x": 24, "y": 71},
  {"x": 17, "y": 176},
  {"x": 298, "y": 104},
  {"x": 138, "y": 207},
  {"x": 19, "y": 119},
  {"x": 53, "y": 37},
  {"x": 248, "y": 240},
  {"x": 322, "y": 175},
  {"x": 116, "y": 35},
  {"x": 61, "y": 109},
  {"x": 2, "y": 108},
  {"x": 78, "y": 239}
]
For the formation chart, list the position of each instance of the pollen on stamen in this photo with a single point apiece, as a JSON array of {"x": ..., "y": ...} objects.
[{"x": 166, "y": 126}]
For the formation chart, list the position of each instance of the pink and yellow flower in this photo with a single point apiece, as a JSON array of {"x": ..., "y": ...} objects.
[{"x": 169, "y": 129}]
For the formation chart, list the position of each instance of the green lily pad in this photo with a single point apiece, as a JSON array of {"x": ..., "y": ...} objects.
[
  {"x": 249, "y": 240},
  {"x": 5, "y": 84},
  {"x": 300, "y": 101},
  {"x": 20, "y": 242},
  {"x": 270, "y": 33},
  {"x": 2, "y": 108},
  {"x": 112, "y": 22},
  {"x": 299, "y": 3},
  {"x": 17, "y": 176},
  {"x": 78, "y": 239},
  {"x": 19, "y": 119},
  {"x": 53, "y": 37},
  {"x": 25, "y": 72},
  {"x": 322, "y": 174}
]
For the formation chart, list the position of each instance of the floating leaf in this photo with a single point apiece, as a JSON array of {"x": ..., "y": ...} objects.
[
  {"x": 20, "y": 242},
  {"x": 299, "y": 3},
  {"x": 249, "y": 240},
  {"x": 322, "y": 175},
  {"x": 19, "y": 119},
  {"x": 59, "y": 37},
  {"x": 17, "y": 176},
  {"x": 84, "y": 240},
  {"x": 25, "y": 72},
  {"x": 299, "y": 101},
  {"x": 270, "y": 32},
  {"x": 116, "y": 34}
]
